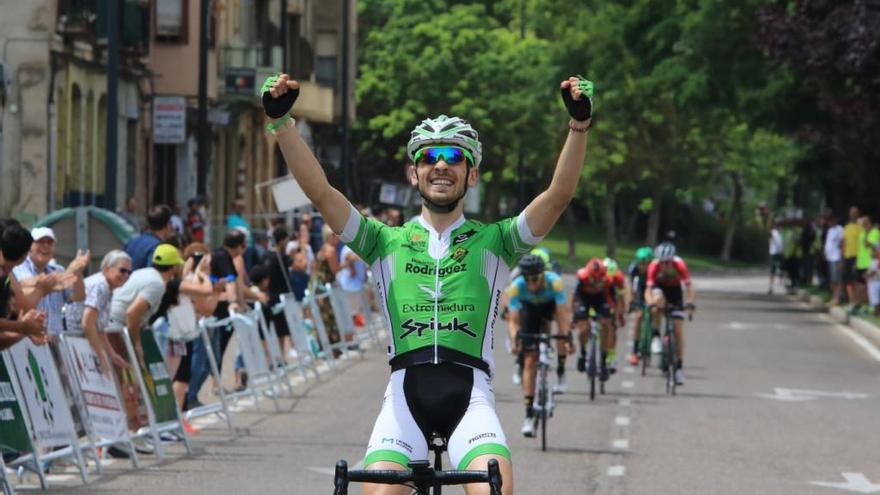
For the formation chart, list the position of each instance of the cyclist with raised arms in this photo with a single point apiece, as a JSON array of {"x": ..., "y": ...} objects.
[
  {"x": 440, "y": 278},
  {"x": 593, "y": 292},
  {"x": 536, "y": 298},
  {"x": 638, "y": 282},
  {"x": 666, "y": 274}
]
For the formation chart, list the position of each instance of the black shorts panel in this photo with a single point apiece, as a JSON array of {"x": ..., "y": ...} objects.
[
  {"x": 438, "y": 396},
  {"x": 533, "y": 319},
  {"x": 596, "y": 302},
  {"x": 849, "y": 270}
]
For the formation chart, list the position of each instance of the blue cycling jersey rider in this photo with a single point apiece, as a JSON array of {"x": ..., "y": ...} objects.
[
  {"x": 536, "y": 298},
  {"x": 440, "y": 278}
]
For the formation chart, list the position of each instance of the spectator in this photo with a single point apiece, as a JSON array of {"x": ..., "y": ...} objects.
[
  {"x": 351, "y": 277},
  {"x": 869, "y": 239},
  {"x": 302, "y": 243},
  {"x": 791, "y": 252},
  {"x": 195, "y": 222},
  {"x": 159, "y": 229},
  {"x": 254, "y": 253},
  {"x": 775, "y": 238},
  {"x": 236, "y": 217},
  {"x": 92, "y": 314},
  {"x": 850, "y": 251},
  {"x": 873, "y": 277},
  {"x": 279, "y": 283},
  {"x": 807, "y": 240},
  {"x": 176, "y": 220},
  {"x": 834, "y": 257},
  {"x": 299, "y": 276},
  {"x": 137, "y": 300},
  {"x": 69, "y": 286},
  {"x": 16, "y": 321},
  {"x": 196, "y": 271},
  {"x": 326, "y": 267},
  {"x": 130, "y": 214},
  {"x": 823, "y": 222},
  {"x": 223, "y": 271}
]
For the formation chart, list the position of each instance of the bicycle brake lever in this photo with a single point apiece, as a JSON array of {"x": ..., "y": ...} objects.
[
  {"x": 340, "y": 480},
  {"x": 494, "y": 477}
]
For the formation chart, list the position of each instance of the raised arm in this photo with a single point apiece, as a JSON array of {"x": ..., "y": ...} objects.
[
  {"x": 279, "y": 95},
  {"x": 543, "y": 212}
]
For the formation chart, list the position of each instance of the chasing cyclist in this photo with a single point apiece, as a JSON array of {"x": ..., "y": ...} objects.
[
  {"x": 638, "y": 282},
  {"x": 536, "y": 298},
  {"x": 440, "y": 278},
  {"x": 617, "y": 302},
  {"x": 666, "y": 274},
  {"x": 593, "y": 292}
]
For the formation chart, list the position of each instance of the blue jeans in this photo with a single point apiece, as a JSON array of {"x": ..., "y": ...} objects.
[{"x": 200, "y": 367}]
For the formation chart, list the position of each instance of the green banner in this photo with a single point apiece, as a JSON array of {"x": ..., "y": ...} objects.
[
  {"x": 13, "y": 430},
  {"x": 157, "y": 380}
]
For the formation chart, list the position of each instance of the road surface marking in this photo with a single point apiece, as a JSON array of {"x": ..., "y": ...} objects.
[
  {"x": 621, "y": 421},
  {"x": 861, "y": 341},
  {"x": 625, "y": 402},
  {"x": 855, "y": 482},
  {"x": 616, "y": 471},
  {"x": 627, "y": 384},
  {"x": 629, "y": 369},
  {"x": 800, "y": 395},
  {"x": 621, "y": 444}
]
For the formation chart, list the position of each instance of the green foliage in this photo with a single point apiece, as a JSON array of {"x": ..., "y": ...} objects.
[{"x": 684, "y": 100}]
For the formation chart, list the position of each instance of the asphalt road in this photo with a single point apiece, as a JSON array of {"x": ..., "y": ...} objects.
[{"x": 819, "y": 418}]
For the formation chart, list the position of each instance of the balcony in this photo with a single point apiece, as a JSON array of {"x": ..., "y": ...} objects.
[
  {"x": 253, "y": 57},
  {"x": 86, "y": 20}
]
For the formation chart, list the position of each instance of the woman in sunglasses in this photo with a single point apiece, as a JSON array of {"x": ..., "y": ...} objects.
[
  {"x": 90, "y": 315},
  {"x": 441, "y": 278}
]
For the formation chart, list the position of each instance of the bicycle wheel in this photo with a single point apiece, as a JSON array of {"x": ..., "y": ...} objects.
[
  {"x": 670, "y": 364},
  {"x": 543, "y": 420},
  {"x": 592, "y": 369},
  {"x": 645, "y": 336}
]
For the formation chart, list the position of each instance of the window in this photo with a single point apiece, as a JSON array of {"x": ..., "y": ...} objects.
[{"x": 171, "y": 21}]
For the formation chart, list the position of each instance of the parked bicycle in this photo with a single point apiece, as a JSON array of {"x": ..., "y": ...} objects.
[
  {"x": 423, "y": 478},
  {"x": 544, "y": 403}
]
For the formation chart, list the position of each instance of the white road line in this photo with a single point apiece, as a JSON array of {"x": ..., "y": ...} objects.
[
  {"x": 621, "y": 421},
  {"x": 861, "y": 341},
  {"x": 627, "y": 384},
  {"x": 629, "y": 369},
  {"x": 616, "y": 471},
  {"x": 621, "y": 444},
  {"x": 625, "y": 402}
]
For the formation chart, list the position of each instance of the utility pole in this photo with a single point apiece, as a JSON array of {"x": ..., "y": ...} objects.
[
  {"x": 521, "y": 166},
  {"x": 112, "y": 137},
  {"x": 284, "y": 35},
  {"x": 204, "y": 130},
  {"x": 346, "y": 131}
]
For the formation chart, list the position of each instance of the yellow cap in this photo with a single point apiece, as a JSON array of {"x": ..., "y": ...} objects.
[{"x": 166, "y": 255}]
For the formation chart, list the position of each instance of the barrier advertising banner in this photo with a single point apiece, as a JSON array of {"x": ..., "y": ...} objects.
[
  {"x": 41, "y": 387},
  {"x": 157, "y": 380},
  {"x": 13, "y": 429},
  {"x": 99, "y": 391}
]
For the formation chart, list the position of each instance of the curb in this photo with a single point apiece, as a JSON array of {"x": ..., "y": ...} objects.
[{"x": 840, "y": 315}]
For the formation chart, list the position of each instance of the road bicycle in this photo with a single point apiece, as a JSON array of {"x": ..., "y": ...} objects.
[
  {"x": 423, "y": 478},
  {"x": 645, "y": 335},
  {"x": 668, "y": 360},
  {"x": 544, "y": 402},
  {"x": 595, "y": 365}
]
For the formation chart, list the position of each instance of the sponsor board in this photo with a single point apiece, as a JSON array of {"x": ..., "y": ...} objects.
[{"x": 98, "y": 389}]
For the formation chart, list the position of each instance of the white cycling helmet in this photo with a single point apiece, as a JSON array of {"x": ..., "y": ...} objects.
[
  {"x": 445, "y": 130},
  {"x": 665, "y": 251}
]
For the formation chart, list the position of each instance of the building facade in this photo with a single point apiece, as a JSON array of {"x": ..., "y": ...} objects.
[{"x": 53, "y": 100}]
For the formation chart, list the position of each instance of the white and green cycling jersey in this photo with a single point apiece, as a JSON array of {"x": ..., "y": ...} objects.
[{"x": 440, "y": 290}]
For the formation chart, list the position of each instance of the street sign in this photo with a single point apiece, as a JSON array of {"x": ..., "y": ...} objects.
[
  {"x": 800, "y": 395},
  {"x": 169, "y": 119},
  {"x": 240, "y": 81},
  {"x": 855, "y": 482}
]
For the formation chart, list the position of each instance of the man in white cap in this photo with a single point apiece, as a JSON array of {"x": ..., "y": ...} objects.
[{"x": 69, "y": 285}]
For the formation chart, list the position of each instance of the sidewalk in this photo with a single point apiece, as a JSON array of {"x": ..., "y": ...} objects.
[{"x": 864, "y": 327}]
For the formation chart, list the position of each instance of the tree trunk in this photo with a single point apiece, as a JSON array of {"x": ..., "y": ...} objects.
[
  {"x": 571, "y": 226},
  {"x": 610, "y": 227},
  {"x": 733, "y": 216},
  {"x": 654, "y": 217}
]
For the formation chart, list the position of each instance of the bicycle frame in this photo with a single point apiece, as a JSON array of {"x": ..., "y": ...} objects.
[{"x": 594, "y": 357}]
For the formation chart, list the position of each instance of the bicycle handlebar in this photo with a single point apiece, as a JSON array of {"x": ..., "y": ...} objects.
[
  {"x": 542, "y": 336},
  {"x": 425, "y": 477}
]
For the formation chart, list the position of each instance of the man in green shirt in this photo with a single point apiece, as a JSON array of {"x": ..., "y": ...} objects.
[
  {"x": 440, "y": 279},
  {"x": 869, "y": 238}
]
